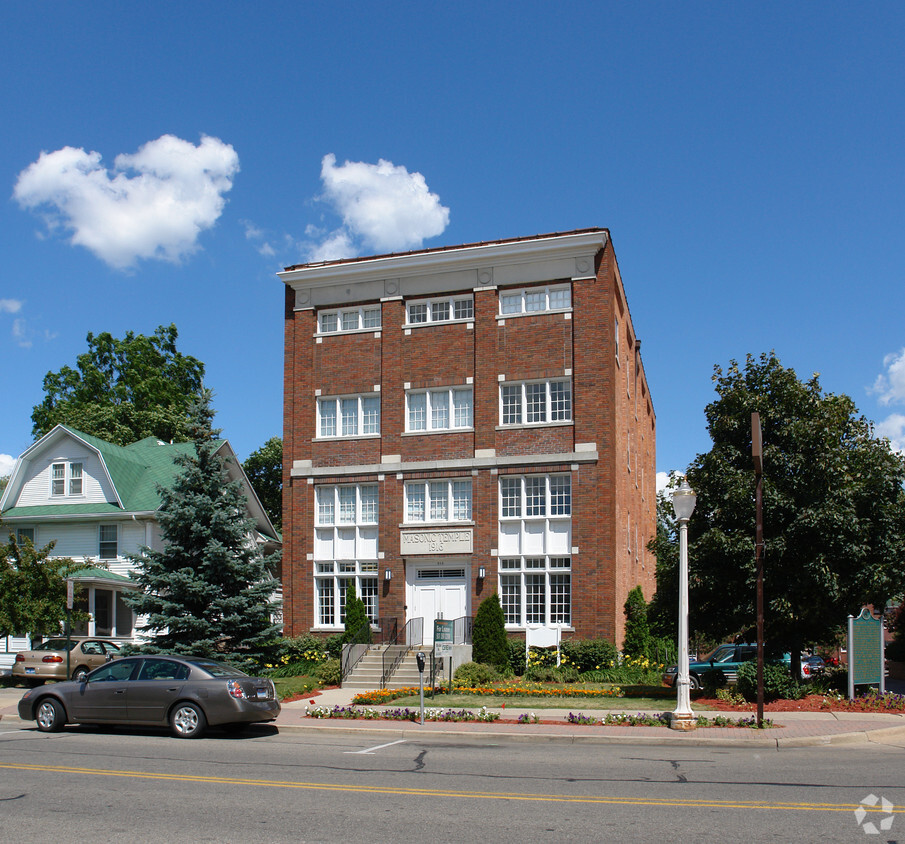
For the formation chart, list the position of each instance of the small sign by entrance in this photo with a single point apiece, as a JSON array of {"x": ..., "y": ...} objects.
[
  {"x": 443, "y": 637},
  {"x": 865, "y": 651}
]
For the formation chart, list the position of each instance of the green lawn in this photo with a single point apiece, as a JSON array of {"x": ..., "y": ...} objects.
[{"x": 455, "y": 701}]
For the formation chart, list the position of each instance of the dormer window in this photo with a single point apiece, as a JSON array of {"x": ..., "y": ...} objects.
[{"x": 60, "y": 474}]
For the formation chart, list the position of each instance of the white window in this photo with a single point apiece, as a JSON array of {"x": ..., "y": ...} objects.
[
  {"x": 438, "y": 501},
  {"x": 536, "y": 402},
  {"x": 349, "y": 319},
  {"x": 75, "y": 478},
  {"x": 348, "y": 416},
  {"x": 447, "y": 309},
  {"x": 60, "y": 473},
  {"x": 439, "y": 410},
  {"x": 536, "y": 590},
  {"x": 107, "y": 542},
  {"x": 331, "y": 584},
  {"x": 534, "y": 300},
  {"x": 535, "y": 516}
]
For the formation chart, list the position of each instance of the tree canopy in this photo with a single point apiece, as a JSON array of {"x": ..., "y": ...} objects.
[
  {"x": 124, "y": 390},
  {"x": 32, "y": 589},
  {"x": 833, "y": 510},
  {"x": 208, "y": 592},
  {"x": 264, "y": 468}
]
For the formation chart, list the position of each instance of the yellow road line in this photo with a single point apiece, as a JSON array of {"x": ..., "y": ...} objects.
[{"x": 435, "y": 792}]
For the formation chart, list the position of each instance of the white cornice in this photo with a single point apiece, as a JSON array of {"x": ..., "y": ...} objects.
[{"x": 474, "y": 257}]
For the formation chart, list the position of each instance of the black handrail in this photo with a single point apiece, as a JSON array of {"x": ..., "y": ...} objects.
[{"x": 412, "y": 635}]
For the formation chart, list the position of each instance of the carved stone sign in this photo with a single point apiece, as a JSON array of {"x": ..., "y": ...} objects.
[{"x": 437, "y": 541}]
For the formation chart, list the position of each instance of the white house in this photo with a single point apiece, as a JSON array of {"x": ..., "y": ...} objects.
[{"x": 99, "y": 502}]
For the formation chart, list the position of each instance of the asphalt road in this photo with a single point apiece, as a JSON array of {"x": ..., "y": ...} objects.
[{"x": 142, "y": 786}]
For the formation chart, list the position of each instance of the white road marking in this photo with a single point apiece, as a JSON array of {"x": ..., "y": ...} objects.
[{"x": 379, "y": 747}]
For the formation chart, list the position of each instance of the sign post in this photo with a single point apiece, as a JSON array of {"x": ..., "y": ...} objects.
[
  {"x": 443, "y": 644},
  {"x": 866, "y": 659}
]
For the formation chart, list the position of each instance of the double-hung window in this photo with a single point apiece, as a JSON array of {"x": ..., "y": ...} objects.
[
  {"x": 66, "y": 476},
  {"x": 108, "y": 546},
  {"x": 348, "y": 416},
  {"x": 446, "y": 409},
  {"x": 447, "y": 309},
  {"x": 366, "y": 318},
  {"x": 438, "y": 501},
  {"x": 534, "y": 548},
  {"x": 536, "y": 402},
  {"x": 532, "y": 300},
  {"x": 345, "y": 549}
]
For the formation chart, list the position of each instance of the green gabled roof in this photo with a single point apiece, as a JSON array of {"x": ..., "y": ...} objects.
[
  {"x": 63, "y": 510},
  {"x": 137, "y": 469},
  {"x": 94, "y": 573}
]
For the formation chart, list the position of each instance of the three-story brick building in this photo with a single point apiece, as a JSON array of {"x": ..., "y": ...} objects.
[{"x": 465, "y": 420}]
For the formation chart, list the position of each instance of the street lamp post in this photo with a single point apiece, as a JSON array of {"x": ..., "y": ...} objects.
[{"x": 683, "y": 501}]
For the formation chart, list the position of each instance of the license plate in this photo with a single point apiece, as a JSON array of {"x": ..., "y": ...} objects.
[
  {"x": 29, "y": 671},
  {"x": 262, "y": 693}
]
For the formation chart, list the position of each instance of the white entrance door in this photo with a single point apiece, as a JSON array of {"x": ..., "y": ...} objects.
[{"x": 437, "y": 593}]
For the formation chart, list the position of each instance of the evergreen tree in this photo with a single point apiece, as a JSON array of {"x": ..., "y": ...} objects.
[
  {"x": 488, "y": 636},
  {"x": 356, "y": 631},
  {"x": 209, "y": 591},
  {"x": 637, "y": 639}
]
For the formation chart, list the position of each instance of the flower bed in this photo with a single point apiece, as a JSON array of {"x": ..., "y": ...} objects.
[
  {"x": 383, "y": 696},
  {"x": 406, "y": 714}
]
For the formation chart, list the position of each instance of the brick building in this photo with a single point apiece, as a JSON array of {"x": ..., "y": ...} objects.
[{"x": 465, "y": 420}]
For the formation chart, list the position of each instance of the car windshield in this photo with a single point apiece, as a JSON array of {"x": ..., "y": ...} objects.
[
  {"x": 723, "y": 654},
  {"x": 217, "y": 669},
  {"x": 55, "y": 645}
]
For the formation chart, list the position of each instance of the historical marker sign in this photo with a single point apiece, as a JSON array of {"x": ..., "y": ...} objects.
[{"x": 865, "y": 651}]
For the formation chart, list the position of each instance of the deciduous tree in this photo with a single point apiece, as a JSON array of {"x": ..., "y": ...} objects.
[
  {"x": 124, "y": 390},
  {"x": 834, "y": 510},
  {"x": 264, "y": 468}
]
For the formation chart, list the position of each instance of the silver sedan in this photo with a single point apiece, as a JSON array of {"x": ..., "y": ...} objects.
[{"x": 186, "y": 693}]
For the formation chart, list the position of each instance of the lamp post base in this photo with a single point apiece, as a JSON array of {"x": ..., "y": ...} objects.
[{"x": 682, "y": 721}]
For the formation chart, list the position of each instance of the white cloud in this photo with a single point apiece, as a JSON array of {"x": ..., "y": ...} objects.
[
  {"x": 890, "y": 386},
  {"x": 384, "y": 208},
  {"x": 893, "y": 428},
  {"x": 20, "y": 334},
  {"x": 662, "y": 481},
  {"x": 6, "y": 465},
  {"x": 10, "y": 306},
  {"x": 153, "y": 204}
]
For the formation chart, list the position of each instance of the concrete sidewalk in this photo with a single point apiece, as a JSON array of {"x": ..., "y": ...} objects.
[{"x": 793, "y": 729}]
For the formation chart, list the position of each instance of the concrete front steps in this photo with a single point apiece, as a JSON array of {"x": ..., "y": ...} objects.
[{"x": 369, "y": 671}]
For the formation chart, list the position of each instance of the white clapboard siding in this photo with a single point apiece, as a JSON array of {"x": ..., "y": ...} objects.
[{"x": 96, "y": 487}]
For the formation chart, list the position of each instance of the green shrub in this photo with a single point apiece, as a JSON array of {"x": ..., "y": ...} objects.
[
  {"x": 778, "y": 682},
  {"x": 712, "y": 682},
  {"x": 637, "y": 632},
  {"x": 356, "y": 617},
  {"x": 589, "y": 654},
  {"x": 329, "y": 673},
  {"x": 517, "y": 657},
  {"x": 475, "y": 674},
  {"x": 488, "y": 637},
  {"x": 334, "y": 646},
  {"x": 565, "y": 674},
  {"x": 541, "y": 674}
]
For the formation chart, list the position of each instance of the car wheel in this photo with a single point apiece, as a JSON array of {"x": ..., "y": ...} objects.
[
  {"x": 694, "y": 682},
  {"x": 80, "y": 674},
  {"x": 187, "y": 721},
  {"x": 50, "y": 716}
]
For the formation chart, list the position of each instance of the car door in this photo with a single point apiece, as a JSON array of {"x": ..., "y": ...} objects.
[
  {"x": 103, "y": 698},
  {"x": 155, "y": 688},
  {"x": 93, "y": 654}
]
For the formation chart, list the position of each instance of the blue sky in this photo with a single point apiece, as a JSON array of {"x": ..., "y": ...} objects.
[{"x": 163, "y": 161}]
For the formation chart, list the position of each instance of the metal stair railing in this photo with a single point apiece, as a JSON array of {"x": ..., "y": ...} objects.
[
  {"x": 365, "y": 636},
  {"x": 412, "y": 635}
]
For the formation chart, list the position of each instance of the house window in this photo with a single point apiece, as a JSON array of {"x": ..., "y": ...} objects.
[
  {"x": 331, "y": 581},
  {"x": 349, "y": 319},
  {"x": 534, "y": 300},
  {"x": 438, "y": 501},
  {"x": 536, "y": 590},
  {"x": 447, "y": 309},
  {"x": 58, "y": 479},
  {"x": 536, "y": 402},
  {"x": 439, "y": 410},
  {"x": 75, "y": 478},
  {"x": 60, "y": 472},
  {"x": 24, "y": 533},
  {"x": 348, "y": 416},
  {"x": 107, "y": 542},
  {"x": 345, "y": 548}
]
